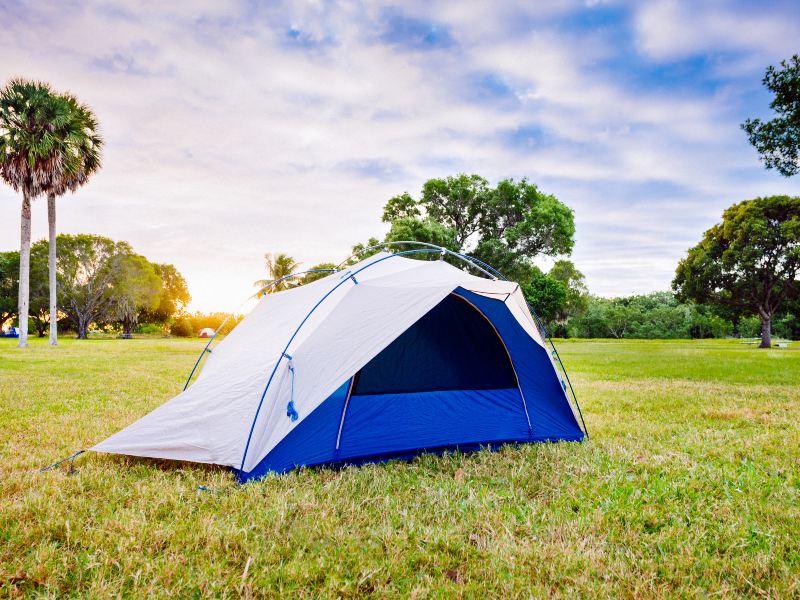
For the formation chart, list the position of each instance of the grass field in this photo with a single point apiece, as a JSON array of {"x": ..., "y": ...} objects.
[{"x": 690, "y": 486}]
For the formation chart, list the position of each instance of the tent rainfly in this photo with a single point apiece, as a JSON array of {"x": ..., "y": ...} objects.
[{"x": 389, "y": 358}]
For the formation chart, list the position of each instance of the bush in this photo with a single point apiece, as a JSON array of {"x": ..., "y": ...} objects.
[
  {"x": 151, "y": 329},
  {"x": 749, "y": 327},
  {"x": 182, "y": 328}
]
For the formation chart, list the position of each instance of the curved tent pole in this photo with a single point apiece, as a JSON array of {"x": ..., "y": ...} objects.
[
  {"x": 225, "y": 320},
  {"x": 466, "y": 258}
]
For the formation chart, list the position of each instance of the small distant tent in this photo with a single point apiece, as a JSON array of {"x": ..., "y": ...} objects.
[
  {"x": 206, "y": 332},
  {"x": 386, "y": 359},
  {"x": 11, "y": 332}
]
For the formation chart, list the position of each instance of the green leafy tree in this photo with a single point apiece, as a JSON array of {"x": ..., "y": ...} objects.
[
  {"x": 30, "y": 116},
  {"x": 39, "y": 314},
  {"x": 400, "y": 207},
  {"x": 458, "y": 203},
  {"x": 309, "y": 277},
  {"x": 174, "y": 298},
  {"x": 135, "y": 286},
  {"x": 278, "y": 266},
  {"x": 9, "y": 292},
  {"x": 749, "y": 262},
  {"x": 425, "y": 230},
  {"x": 778, "y": 140},
  {"x": 86, "y": 277},
  {"x": 576, "y": 300},
  {"x": 529, "y": 221},
  {"x": 506, "y": 226},
  {"x": 545, "y": 294},
  {"x": 361, "y": 251}
]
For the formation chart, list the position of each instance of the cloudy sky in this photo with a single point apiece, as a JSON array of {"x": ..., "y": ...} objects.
[{"x": 237, "y": 128}]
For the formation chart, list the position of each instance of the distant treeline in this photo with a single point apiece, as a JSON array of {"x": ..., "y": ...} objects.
[
  {"x": 189, "y": 325},
  {"x": 104, "y": 287},
  {"x": 661, "y": 315}
]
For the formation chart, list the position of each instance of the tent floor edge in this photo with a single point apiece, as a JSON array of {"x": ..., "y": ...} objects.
[{"x": 407, "y": 455}]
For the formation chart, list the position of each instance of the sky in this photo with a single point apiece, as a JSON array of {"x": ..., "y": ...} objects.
[{"x": 233, "y": 129}]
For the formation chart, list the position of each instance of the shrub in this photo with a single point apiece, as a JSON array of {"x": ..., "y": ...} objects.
[{"x": 182, "y": 328}]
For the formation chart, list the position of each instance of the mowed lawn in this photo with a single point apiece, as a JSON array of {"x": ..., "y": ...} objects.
[{"x": 689, "y": 486}]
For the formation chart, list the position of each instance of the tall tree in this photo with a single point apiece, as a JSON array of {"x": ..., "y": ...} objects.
[
  {"x": 29, "y": 160},
  {"x": 505, "y": 226},
  {"x": 86, "y": 278},
  {"x": 527, "y": 220},
  {"x": 749, "y": 262},
  {"x": 278, "y": 266},
  {"x": 778, "y": 140},
  {"x": 78, "y": 145}
]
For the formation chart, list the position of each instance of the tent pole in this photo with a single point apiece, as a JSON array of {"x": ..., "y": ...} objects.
[
  {"x": 226, "y": 319},
  {"x": 344, "y": 411}
]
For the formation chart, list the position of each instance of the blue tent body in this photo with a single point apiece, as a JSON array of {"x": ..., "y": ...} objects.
[{"x": 465, "y": 376}]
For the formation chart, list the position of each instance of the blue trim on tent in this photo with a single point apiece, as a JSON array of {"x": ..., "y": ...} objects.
[{"x": 399, "y": 409}]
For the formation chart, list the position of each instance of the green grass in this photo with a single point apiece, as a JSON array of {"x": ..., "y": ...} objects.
[{"x": 690, "y": 486}]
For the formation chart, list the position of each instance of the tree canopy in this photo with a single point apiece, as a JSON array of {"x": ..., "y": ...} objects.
[
  {"x": 778, "y": 140},
  {"x": 174, "y": 297},
  {"x": 464, "y": 213},
  {"x": 136, "y": 286},
  {"x": 749, "y": 262},
  {"x": 506, "y": 226},
  {"x": 103, "y": 282}
]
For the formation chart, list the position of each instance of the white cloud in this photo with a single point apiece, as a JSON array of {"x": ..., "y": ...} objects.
[
  {"x": 227, "y": 137},
  {"x": 671, "y": 29}
]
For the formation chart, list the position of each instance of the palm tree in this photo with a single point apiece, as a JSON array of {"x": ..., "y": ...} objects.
[
  {"x": 278, "y": 266},
  {"x": 79, "y": 146},
  {"x": 30, "y": 113}
]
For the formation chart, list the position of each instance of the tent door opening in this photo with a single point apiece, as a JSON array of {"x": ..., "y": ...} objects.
[{"x": 447, "y": 381}]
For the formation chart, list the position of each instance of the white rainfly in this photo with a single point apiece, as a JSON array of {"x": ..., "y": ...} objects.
[{"x": 333, "y": 327}]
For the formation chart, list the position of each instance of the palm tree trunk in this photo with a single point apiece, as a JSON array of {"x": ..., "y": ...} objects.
[
  {"x": 24, "y": 269},
  {"x": 51, "y": 264}
]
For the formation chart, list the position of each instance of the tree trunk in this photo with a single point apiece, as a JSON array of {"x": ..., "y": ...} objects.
[
  {"x": 766, "y": 322},
  {"x": 24, "y": 269},
  {"x": 82, "y": 328},
  {"x": 51, "y": 264}
]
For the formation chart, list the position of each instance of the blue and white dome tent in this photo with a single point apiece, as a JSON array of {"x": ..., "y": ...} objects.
[{"x": 387, "y": 358}]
